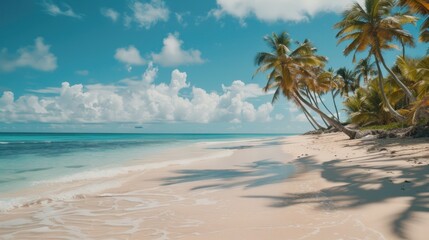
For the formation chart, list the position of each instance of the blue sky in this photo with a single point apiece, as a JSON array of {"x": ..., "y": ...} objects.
[{"x": 168, "y": 66}]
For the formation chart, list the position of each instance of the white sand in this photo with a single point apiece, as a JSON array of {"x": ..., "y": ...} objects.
[{"x": 302, "y": 187}]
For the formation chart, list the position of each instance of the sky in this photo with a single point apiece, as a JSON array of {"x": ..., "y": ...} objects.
[{"x": 162, "y": 66}]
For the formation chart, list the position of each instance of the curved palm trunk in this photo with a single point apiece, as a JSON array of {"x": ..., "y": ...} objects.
[
  {"x": 314, "y": 101},
  {"x": 324, "y": 105},
  {"x": 308, "y": 119},
  {"x": 392, "y": 111},
  {"x": 309, "y": 116},
  {"x": 406, "y": 90},
  {"x": 349, "y": 132},
  {"x": 335, "y": 105}
]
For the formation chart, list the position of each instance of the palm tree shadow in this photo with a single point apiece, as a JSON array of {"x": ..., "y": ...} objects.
[
  {"x": 270, "y": 142},
  {"x": 256, "y": 174},
  {"x": 363, "y": 186}
]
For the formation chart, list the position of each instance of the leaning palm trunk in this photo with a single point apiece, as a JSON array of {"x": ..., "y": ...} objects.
[
  {"x": 308, "y": 119},
  {"x": 314, "y": 101},
  {"x": 324, "y": 105},
  {"x": 392, "y": 111},
  {"x": 309, "y": 116},
  {"x": 335, "y": 105},
  {"x": 406, "y": 90},
  {"x": 349, "y": 132},
  {"x": 312, "y": 122}
]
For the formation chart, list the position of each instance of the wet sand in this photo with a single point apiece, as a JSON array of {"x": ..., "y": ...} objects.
[{"x": 301, "y": 187}]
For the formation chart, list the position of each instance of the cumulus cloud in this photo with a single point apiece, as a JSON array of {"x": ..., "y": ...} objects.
[
  {"x": 55, "y": 10},
  {"x": 279, "y": 117},
  {"x": 110, "y": 13},
  {"x": 37, "y": 57},
  {"x": 146, "y": 15},
  {"x": 278, "y": 10},
  {"x": 137, "y": 100},
  {"x": 293, "y": 108},
  {"x": 172, "y": 53},
  {"x": 301, "y": 118},
  {"x": 129, "y": 56}
]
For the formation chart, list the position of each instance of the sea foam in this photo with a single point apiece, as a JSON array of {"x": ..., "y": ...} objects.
[
  {"x": 112, "y": 172},
  {"x": 88, "y": 189},
  {"x": 10, "y": 204}
]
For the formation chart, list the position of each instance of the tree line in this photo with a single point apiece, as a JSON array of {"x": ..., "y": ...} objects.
[{"x": 401, "y": 97}]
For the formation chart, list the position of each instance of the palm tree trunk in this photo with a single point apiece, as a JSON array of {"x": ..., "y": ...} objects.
[
  {"x": 406, "y": 90},
  {"x": 335, "y": 105},
  {"x": 308, "y": 119},
  {"x": 310, "y": 97},
  {"x": 392, "y": 111},
  {"x": 314, "y": 101},
  {"x": 308, "y": 115},
  {"x": 324, "y": 105},
  {"x": 349, "y": 132}
]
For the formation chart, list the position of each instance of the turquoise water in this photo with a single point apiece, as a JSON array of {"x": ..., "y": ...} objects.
[{"x": 28, "y": 158}]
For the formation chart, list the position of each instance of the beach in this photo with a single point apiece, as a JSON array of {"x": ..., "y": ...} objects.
[{"x": 297, "y": 187}]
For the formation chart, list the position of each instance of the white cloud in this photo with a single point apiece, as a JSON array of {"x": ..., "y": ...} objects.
[
  {"x": 55, "y": 10},
  {"x": 172, "y": 53},
  {"x": 129, "y": 56},
  {"x": 37, "y": 57},
  {"x": 279, "y": 117},
  {"x": 110, "y": 13},
  {"x": 147, "y": 14},
  {"x": 180, "y": 17},
  {"x": 82, "y": 72},
  {"x": 293, "y": 108},
  {"x": 137, "y": 101},
  {"x": 301, "y": 118},
  {"x": 48, "y": 90},
  {"x": 278, "y": 10}
]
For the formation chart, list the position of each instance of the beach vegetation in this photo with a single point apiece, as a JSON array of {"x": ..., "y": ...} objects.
[
  {"x": 374, "y": 28},
  {"x": 421, "y": 8},
  {"x": 295, "y": 73},
  {"x": 376, "y": 96}
]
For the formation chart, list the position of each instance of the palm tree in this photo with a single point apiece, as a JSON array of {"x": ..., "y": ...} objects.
[
  {"x": 374, "y": 27},
  {"x": 276, "y": 83},
  {"x": 365, "y": 70},
  {"x": 416, "y": 73},
  {"x": 315, "y": 85},
  {"x": 365, "y": 106},
  {"x": 279, "y": 44},
  {"x": 419, "y": 7},
  {"x": 335, "y": 85},
  {"x": 351, "y": 82},
  {"x": 290, "y": 69}
]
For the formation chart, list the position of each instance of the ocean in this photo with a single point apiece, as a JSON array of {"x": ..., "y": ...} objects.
[{"x": 29, "y": 159}]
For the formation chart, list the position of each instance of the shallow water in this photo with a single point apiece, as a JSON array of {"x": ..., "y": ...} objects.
[
  {"x": 31, "y": 159},
  {"x": 119, "y": 207}
]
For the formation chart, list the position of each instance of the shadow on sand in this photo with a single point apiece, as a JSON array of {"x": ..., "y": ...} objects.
[
  {"x": 412, "y": 182},
  {"x": 354, "y": 174},
  {"x": 259, "y": 173},
  {"x": 254, "y": 144}
]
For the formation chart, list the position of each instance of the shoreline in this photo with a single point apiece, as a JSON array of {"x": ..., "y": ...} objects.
[
  {"x": 41, "y": 190},
  {"x": 297, "y": 187}
]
